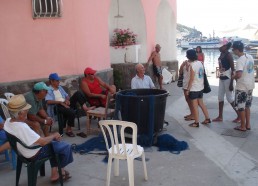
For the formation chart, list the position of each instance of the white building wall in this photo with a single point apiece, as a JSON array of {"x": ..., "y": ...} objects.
[
  {"x": 134, "y": 19},
  {"x": 166, "y": 31}
]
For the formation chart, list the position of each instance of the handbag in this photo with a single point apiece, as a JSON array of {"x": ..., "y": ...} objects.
[
  {"x": 180, "y": 80},
  {"x": 207, "y": 87}
]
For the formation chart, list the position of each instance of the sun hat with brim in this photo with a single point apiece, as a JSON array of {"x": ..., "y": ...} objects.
[
  {"x": 18, "y": 103},
  {"x": 41, "y": 86},
  {"x": 89, "y": 70}
]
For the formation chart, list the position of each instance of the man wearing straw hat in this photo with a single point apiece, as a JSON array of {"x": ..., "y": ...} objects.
[{"x": 18, "y": 108}]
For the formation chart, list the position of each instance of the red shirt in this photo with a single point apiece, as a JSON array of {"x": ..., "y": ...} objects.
[{"x": 95, "y": 88}]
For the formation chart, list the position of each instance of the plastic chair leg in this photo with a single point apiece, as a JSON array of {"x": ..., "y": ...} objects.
[
  {"x": 130, "y": 171},
  {"x": 42, "y": 170},
  {"x": 14, "y": 159},
  {"x": 144, "y": 167},
  {"x": 18, "y": 171},
  {"x": 78, "y": 120},
  {"x": 109, "y": 170},
  {"x": 116, "y": 167}
]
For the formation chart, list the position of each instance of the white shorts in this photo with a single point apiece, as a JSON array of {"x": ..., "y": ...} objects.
[{"x": 224, "y": 89}]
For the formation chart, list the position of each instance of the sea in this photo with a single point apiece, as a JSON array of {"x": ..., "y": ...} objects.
[{"x": 210, "y": 62}]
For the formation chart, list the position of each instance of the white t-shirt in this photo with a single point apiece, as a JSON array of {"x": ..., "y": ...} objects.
[
  {"x": 138, "y": 82},
  {"x": 198, "y": 69},
  {"x": 25, "y": 134},
  {"x": 245, "y": 64},
  {"x": 58, "y": 96},
  {"x": 186, "y": 73}
]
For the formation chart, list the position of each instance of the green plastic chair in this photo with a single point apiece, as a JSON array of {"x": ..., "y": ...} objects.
[{"x": 33, "y": 166}]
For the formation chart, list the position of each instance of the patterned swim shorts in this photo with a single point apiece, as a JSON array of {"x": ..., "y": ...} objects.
[{"x": 243, "y": 99}]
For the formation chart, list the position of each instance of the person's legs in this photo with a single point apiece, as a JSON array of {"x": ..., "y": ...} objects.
[
  {"x": 160, "y": 79},
  {"x": 194, "y": 102},
  {"x": 204, "y": 109},
  {"x": 188, "y": 101},
  {"x": 64, "y": 151},
  {"x": 79, "y": 97},
  {"x": 69, "y": 114},
  {"x": 230, "y": 98},
  {"x": 247, "y": 109},
  {"x": 221, "y": 94},
  {"x": 241, "y": 98}
]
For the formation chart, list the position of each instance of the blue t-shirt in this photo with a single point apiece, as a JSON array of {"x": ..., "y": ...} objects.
[{"x": 1, "y": 120}]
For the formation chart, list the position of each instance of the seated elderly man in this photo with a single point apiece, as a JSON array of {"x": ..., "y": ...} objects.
[
  {"x": 16, "y": 126},
  {"x": 141, "y": 80},
  {"x": 37, "y": 116},
  {"x": 95, "y": 89}
]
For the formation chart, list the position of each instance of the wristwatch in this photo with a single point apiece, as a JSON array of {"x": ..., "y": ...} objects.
[{"x": 45, "y": 121}]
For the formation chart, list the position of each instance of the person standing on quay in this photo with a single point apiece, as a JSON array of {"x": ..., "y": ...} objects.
[
  {"x": 155, "y": 58},
  {"x": 226, "y": 68},
  {"x": 200, "y": 54},
  {"x": 244, "y": 85}
]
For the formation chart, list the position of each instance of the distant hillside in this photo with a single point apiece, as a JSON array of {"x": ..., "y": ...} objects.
[{"x": 188, "y": 32}]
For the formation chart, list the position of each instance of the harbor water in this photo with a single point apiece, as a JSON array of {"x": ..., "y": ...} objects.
[{"x": 210, "y": 62}]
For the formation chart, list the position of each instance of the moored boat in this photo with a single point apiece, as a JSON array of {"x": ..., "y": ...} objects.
[{"x": 212, "y": 44}]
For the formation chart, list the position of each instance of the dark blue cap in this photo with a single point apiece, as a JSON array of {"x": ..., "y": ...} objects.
[{"x": 54, "y": 76}]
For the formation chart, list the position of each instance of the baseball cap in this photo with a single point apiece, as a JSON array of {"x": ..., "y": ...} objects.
[
  {"x": 54, "y": 76},
  {"x": 41, "y": 86},
  {"x": 238, "y": 45},
  {"x": 89, "y": 70}
]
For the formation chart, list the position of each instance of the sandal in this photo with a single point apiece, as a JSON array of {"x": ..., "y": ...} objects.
[
  {"x": 82, "y": 134},
  {"x": 66, "y": 176},
  {"x": 240, "y": 129},
  {"x": 206, "y": 121},
  {"x": 196, "y": 125},
  {"x": 70, "y": 134}
]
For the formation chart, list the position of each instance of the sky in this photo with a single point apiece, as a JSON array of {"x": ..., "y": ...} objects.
[{"x": 218, "y": 15}]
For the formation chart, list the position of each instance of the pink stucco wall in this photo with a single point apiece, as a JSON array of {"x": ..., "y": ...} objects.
[{"x": 31, "y": 49}]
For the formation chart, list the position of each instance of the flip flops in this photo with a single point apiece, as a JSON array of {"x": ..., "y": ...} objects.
[
  {"x": 240, "y": 129},
  {"x": 206, "y": 121},
  {"x": 82, "y": 134},
  {"x": 196, "y": 125},
  {"x": 70, "y": 134},
  {"x": 66, "y": 176}
]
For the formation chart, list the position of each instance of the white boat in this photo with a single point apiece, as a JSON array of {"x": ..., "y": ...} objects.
[{"x": 213, "y": 44}]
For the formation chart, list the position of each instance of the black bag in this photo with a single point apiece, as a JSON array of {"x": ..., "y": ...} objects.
[
  {"x": 207, "y": 87},
  {"x": 180, "y": 80}
]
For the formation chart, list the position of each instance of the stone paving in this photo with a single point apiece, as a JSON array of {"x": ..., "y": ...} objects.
[{"x": 212, "y": 159}]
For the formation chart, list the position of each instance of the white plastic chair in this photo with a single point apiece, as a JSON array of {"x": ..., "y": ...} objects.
[
  {"x": 8, "y": 95},
  {"x": 3, "y": 104},
  {"x": 121, "y": 150}
]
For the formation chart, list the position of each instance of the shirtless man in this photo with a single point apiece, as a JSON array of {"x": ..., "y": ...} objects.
[{"x": 155, "y": 58}]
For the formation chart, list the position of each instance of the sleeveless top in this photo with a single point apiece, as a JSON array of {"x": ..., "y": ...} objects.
[
  {"x": 200, "y": 57},
  {"x": 95, "y": 88},
  {"x": 225, "y": 64}
]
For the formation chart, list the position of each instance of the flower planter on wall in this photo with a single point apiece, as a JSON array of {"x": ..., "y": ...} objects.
[{"x": 124, "y": 54}]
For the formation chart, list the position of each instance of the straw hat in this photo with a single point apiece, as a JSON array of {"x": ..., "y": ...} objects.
[{"x": 18, "y": 103}]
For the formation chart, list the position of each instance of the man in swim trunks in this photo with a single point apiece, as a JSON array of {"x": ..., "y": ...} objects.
[{"x": 155, "y": 58}]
